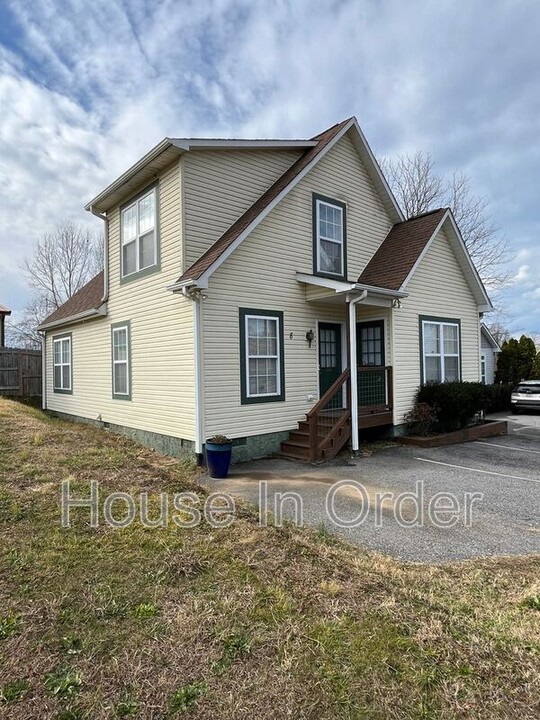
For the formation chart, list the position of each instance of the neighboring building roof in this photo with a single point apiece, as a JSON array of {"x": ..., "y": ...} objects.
[
  {"x": 89, "y": 298},
  {"x": 489, "y": 337},
  {"x": 4, "y": 310},
  {"x": 235, "y": 230},
  {"x": 400, "y": 250}
]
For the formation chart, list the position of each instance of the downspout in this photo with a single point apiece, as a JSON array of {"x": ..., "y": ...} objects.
[
  {"x": 44, "y": 371},
  {"x": 196, "y": 298},
  {"x": 105, "y": 253},
  {"x": 353, "y": 302}
]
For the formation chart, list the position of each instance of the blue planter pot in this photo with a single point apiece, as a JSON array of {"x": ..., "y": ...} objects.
[{"x": 218, "y": 458}]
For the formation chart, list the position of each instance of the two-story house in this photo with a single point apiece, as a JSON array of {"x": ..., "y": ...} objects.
[{"x": 268, "y": 290}]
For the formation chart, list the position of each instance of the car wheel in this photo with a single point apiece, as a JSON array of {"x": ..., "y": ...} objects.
[{"x": 516, "y": 411}]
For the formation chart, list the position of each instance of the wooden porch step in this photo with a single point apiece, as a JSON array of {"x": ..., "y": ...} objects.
[
  {"x": 295, "y": 450},
  {"x": 299, "y": 436}
]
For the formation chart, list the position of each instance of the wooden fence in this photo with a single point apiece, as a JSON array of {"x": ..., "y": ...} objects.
[{"x": 20, "y": 372}]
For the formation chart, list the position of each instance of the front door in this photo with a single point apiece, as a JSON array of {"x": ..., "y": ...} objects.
[
  {"x": 330, "y": 359},
  {"x": 370, "y": 357}
]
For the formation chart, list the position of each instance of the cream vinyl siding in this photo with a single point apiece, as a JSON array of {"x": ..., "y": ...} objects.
[
  {"x": 490, "y": 355},
  {"x": 260, "y": 274},
  {"x": 220, "y": 185},
  {"x": 162, "y": 350},
  {"x": 437, "y": 289}
]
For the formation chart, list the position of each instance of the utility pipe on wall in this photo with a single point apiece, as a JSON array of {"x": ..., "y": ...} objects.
[
  {"x": 353, "y": 302},
  {"x": 196, "y": 298}
]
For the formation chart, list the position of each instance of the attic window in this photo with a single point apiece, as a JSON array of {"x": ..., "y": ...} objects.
[
  {"x": 139, "y": 234},
  {"x": 329, "y": 237}
]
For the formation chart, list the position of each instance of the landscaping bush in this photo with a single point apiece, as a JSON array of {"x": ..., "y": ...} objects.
[
  {"x": 498, "y": 397},
  {"x": 422, "y": 419},
  {"x": 455, "y": 404}
]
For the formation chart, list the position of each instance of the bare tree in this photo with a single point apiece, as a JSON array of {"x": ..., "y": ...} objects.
[
  {"x": 500, "y": 332},
  {"x": 414, "y": 181},
  {"x": 419, "y": 188},
  {"x": 23, "y": 334},
  {"x": 61, "y": 263}
]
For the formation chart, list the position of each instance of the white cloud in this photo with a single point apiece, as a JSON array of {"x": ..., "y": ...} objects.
[{"x": 86, "y": 90}]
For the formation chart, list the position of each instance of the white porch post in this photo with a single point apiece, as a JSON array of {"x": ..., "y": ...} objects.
[{"x": 353, "y": 301}]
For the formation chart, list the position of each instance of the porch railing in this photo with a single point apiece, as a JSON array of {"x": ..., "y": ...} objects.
[
  {"x": 375, "y": 394},
  {"x": 329, "y": 420}
]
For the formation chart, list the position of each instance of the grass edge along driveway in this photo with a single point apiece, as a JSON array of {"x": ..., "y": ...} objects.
[{"x": 240, "y": 622}]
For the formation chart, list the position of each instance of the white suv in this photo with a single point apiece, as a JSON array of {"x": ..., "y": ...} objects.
[{"x": 526, "y": 396}]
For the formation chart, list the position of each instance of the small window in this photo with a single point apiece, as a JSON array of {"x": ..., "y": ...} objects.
[
  {"x": 261, "y": 352},
  {"x": 139, "y": 235},
  {"x": 62, "y": 365},
  {"x": 121, "y": 361},
  {"x": 329, "y": 236},
  {"x": 441, "y": 360},
  {"x": 483, "y": 368}
]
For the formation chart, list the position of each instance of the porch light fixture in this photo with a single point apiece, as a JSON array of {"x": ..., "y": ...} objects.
[
  {"x": 396, "y": 303},
  {"x": 310, "y": 337}
]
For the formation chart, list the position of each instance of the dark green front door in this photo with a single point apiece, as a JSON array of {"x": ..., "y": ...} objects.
[
  {"x": 370, "y": 358},
  {"x": 330, "y": 359}
]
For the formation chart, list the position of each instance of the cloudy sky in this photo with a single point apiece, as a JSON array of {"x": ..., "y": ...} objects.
[{"x": 87, "y": 87}]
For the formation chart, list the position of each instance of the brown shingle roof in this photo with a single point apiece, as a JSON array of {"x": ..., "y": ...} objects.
[
  {"x": 4, "y": 310},
  {"x": 89, "y": 297},
  {"x": 397, "y": 254},
  {"x": 237, "y": 228}
]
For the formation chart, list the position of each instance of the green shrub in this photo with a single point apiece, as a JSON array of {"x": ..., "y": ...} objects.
[
  {"x": 498, "y": 397},
  {"x": 422, "y": 419},
  {"x": 454, "y": 405}
]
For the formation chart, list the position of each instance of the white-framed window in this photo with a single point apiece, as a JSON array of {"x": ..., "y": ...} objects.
[
  {"x": 440, "y": 350},
  {"x": 329, "y": 237},
  {"x": 121, "y": 361},
  {"x": 139, "y": 234},
  {"x": 62, "y": 365},
  {"x": 262, "y": 356},
  {"x": 483, "y": 374}
]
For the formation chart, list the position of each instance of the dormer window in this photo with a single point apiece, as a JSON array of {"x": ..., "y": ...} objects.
[
  {"x": 329, "y": 237},
  {"x": 139, "y": 235}
]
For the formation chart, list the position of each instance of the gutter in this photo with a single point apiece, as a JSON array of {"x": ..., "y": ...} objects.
[
  {"x": 44, "y": 371},
  {"x": 86, "y": 314},
  {"x": 105, "y": 251},
  {"x": 353, "y": 302},
  {"x": 133, "y": 170}
]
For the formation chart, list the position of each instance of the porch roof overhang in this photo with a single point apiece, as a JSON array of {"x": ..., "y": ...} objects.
[{"x": 329, "y": 290}]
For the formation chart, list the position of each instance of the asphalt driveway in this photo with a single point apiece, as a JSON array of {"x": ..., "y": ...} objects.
[{"x": 490, "y": 505}]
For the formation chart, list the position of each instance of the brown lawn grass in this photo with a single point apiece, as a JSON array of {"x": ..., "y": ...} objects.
[{"x": 237, "y": 623}]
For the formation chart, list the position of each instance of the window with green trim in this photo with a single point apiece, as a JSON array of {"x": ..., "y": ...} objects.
[
  {"x": 329, "y": 237},
  {"x": 441, "y": 356},
  {"x": 121, "y": 362},
  {"x": 139, "y": 234},
  {"x": 261, "y": 356},
  {"x": 62, "y": 365}
]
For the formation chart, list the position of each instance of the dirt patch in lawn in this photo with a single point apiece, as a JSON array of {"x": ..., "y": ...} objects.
[{"x": 243, "y": 622}]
